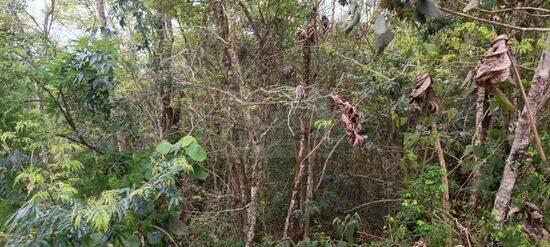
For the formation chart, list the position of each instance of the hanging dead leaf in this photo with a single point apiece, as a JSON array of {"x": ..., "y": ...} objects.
[
  {"x": 343, "y": 2},
  {"x": 306, "y": 36},
  {"x": 351, "y": 121},
  {"x": 503, "y": 101},
  {"x": 300, "y": 93},
  {"x": 422, "y": 99},
  {"x": 355, "y": 18},
  {"x": 422, "y": 83},
  {"x": 533, "y": 222},
  {"x": 383, "y": 34},
  {"x": 324, "y": 23},
  {"x": 471, "y": 5},
  {"x": 494, "y": 68},
  {"x": 427, "y": 8},
  {"x": 287, "y": 71}
]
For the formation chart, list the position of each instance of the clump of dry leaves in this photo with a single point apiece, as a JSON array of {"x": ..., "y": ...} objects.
[
  {"x": 306, "y": 36},
  {"x": 300, "y": 93},
  {"x": 422, "y": 99},
  {"x": 494, "y": 68},
  {"x": 533, "y": 222},
  {"x": 287, "y": 71},
  {"x": 351, "y": 120}
]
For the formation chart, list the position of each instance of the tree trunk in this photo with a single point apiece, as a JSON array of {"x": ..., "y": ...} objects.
[
  {"x": 250, "y": 124},
  {"x": 479, "y": 138},
  {"x": 305, "y": 122},
  {"x": 521, "y": 138}
]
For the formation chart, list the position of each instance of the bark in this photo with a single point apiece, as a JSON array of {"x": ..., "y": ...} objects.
[
  {"x": 161, "y": 62},
  {"x": 250, "y": 124},
  {"x": 304, "y": 146},
  {"x": 444, "y": 179},
  {"x": 309, "y": 193},
  {"x": 521, "y": 139},
  {"x": 444, "y": 182},
  {"x": 100, "y": 6},
  {"x": 479, "y": 138},
  {"x": 300, "y": 165}
]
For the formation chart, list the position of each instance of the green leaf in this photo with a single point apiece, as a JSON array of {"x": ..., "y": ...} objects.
[
  {"x": 503, "y": 101},
  {"x": 154, "y": 237},
  {"x": 186, "y": 140},
  {"x": 181, "y": 163},
  {"x": 132, "y": 241},
  {"x": 199, "y": 172},
  {"x": 432, "y": 49},
  {"x": 196, "y": 152},
  {"x": 164, "y": 147},
  {"x": 177, "y": 227}
]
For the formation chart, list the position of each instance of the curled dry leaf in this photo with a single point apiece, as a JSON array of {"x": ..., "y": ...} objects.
[
  {"x": 306, "y": 36},
  {"x": 494, "y": 68},
  {"x": 422, "y": 99},
  {"x": 421, "y": 85},
  {"x": 300, "y": 93},
  {"x": 420, "y": 243},
  {"x": 355, "y": 14},
  {"x": 324, "y": 23},
  {"x": 287, "y": 71},
  {"x": 383, "y": 33},
  {"x": 533, "y": 222},
  {"x": 351, "y": 120}
]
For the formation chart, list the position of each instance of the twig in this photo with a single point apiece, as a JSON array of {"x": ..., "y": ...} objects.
[
  {"x": 373, "y": 202},
  {"x": 529, "y": 112},
  {"x": 526, "y": 29},
  {"x": 167, "y": 234},
  {"x": 326, "y": 162}
]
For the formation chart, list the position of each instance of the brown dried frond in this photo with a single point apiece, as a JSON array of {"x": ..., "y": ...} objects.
[
  {"x": 351, "y": 120},
  {"x": 494, "y": 68}
]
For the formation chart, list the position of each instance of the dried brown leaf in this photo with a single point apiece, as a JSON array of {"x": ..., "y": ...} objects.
[
  {"x": 422, "y": 84},
  {"x": 494, "y": 68},
  {"x": 351, "y": 121},
  {"x": 287, "y": 71}
]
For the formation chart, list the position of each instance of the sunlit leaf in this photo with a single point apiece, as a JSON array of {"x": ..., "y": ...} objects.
[
  {"x": 196, "y": 152},
  {"x": 164, "y": 147}
]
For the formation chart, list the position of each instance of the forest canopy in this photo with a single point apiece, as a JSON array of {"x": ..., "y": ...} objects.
[{"x": 274, "y": 123}]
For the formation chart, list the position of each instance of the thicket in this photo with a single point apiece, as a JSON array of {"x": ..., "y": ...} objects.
[{"x": 274, "y": 123}]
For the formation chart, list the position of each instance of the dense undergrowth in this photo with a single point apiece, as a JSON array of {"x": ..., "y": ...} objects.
[{"x": 210, "y": 123}]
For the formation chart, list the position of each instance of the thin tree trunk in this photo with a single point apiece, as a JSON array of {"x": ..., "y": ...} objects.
[
  {"x": 100, "y": 6},
  {"x": 521, "y": 138},
  {"x": 442, "y": 164},
  {"x": 444, "y": 182},
  {"x": 304, "y": 146},
  {"x": 479, "y": 138},
  {"x": 309, "y": 194},
  {"x": 250, "y": 124},
  {"x": 300, "y": 165}
]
